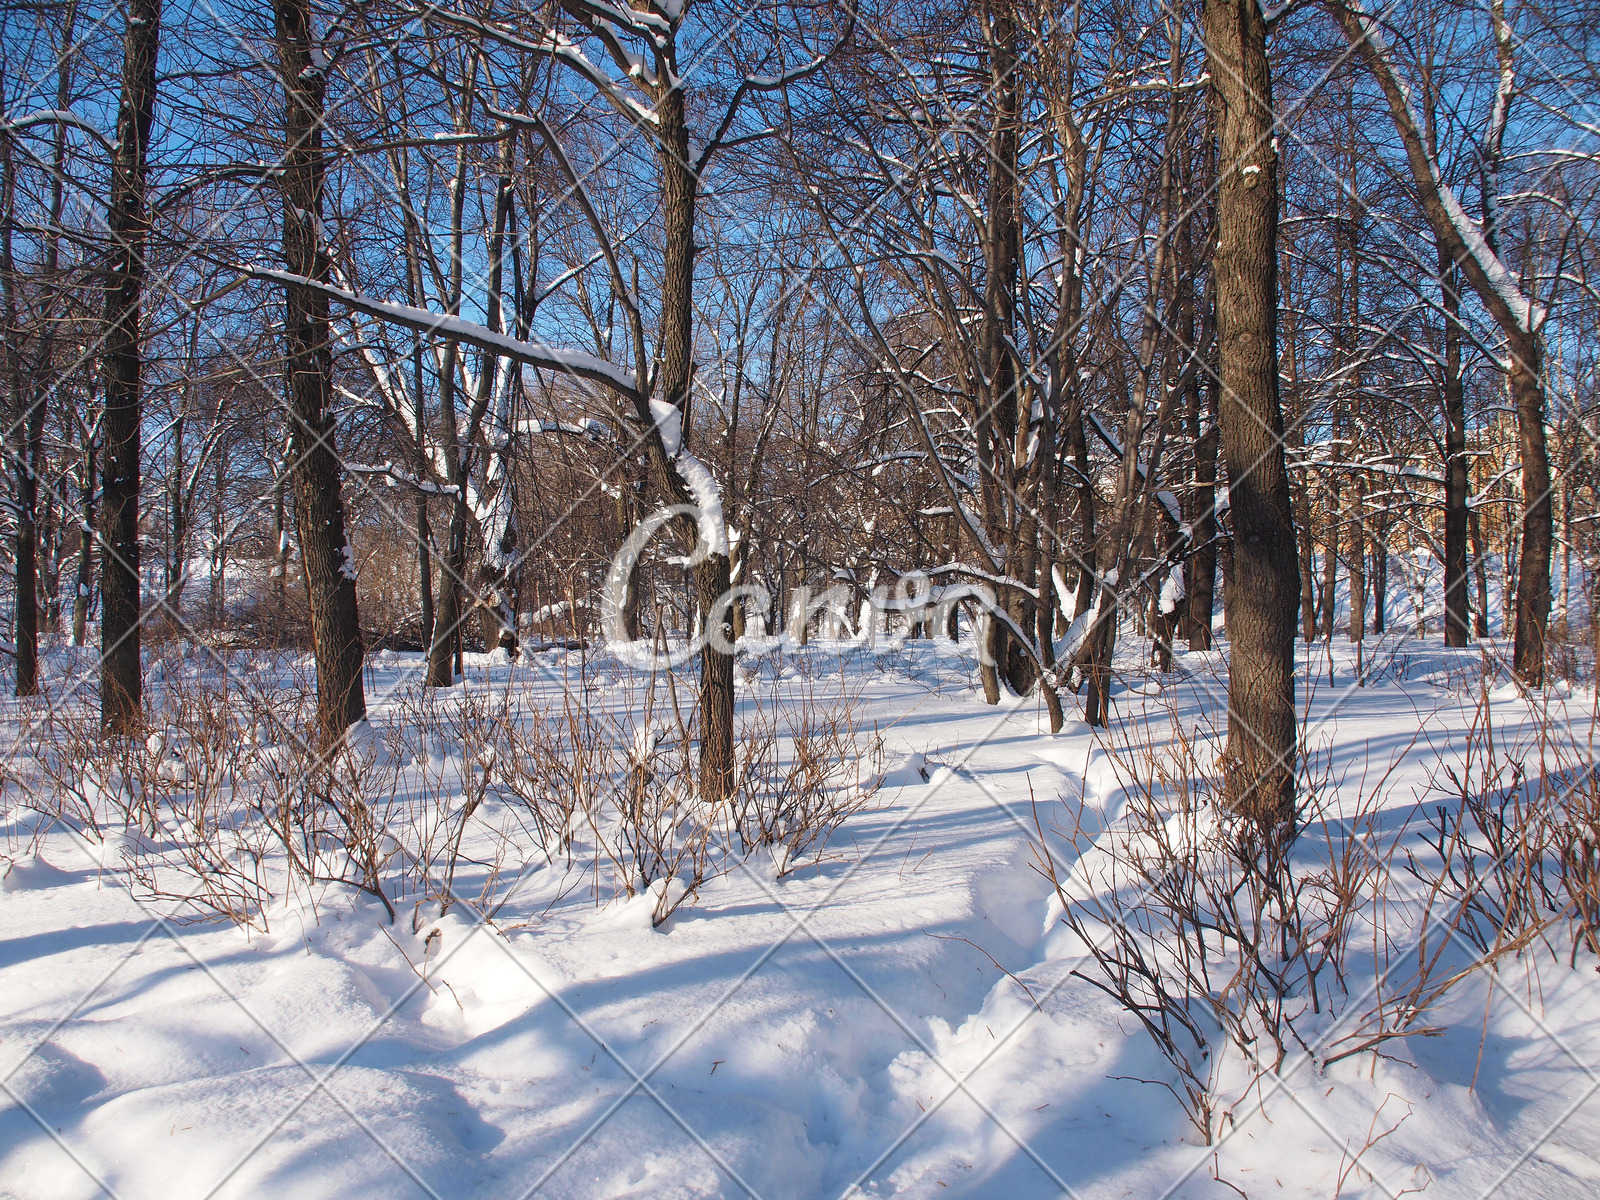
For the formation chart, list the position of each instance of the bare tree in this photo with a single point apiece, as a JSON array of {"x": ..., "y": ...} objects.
[{"x": 315, "y": 470}]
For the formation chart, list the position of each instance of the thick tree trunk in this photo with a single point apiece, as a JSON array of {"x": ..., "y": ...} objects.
[
  {"x": 120, "y": 681},
  {"x": 1264, "y": 588},
  {"x": 314, "y": 464},
  {"x": 442, "y": 652}
]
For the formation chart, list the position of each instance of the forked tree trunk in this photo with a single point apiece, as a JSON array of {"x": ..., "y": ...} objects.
[
  {"x": 1263, "y": 590},
  {"x": 314, "y": 463},
  {"x": 120, "y": 699}
]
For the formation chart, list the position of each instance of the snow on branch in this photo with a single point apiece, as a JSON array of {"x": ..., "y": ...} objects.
[
  {"x": 535, "y": 354},
  {"x": 55, "y": 116},
  {"x": 396, "y": 475},
  {"x": 1450, "y": 220}
]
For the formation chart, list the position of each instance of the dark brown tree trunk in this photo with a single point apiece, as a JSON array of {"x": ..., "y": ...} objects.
[
  {"x": 1533, "y": 565},
  {"x": 314, "y": 463},
  {"x": 1456, "y": 481},
  {"x": 120, "y": 680},
  {"x": 442, "y": 651},
  {"x": 23, "y": 399},
  {"x": 679, "y": 188},
  {"x": 1264, "y": 587}
]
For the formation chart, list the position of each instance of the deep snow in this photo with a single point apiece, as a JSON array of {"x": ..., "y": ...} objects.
[{"x": 899, "y": 1019}]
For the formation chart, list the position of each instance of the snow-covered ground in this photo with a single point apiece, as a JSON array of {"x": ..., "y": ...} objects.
[{"x": 899, "y": 1018}]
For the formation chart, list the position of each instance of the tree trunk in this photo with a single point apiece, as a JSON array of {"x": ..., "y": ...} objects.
[
  {"x": 120, "y": 681},
  {"x": 1264, "y": 588},
  {"x": 424, "y": 572},
  {"x": 1201, "y": 585},
  {"x": 1456, "y": 482},
  {"x": 24, "y": 411},
  {"x": 1357, "y": 560},
  {"x": 314, "y": 464},
  {"x": 1533, "y": 566},
  {"x": 1480, "y": 570},
  {"x": 444, "y": 654},
  {"x": 679, "y": 188},
  {"x": 86, "y": 524}
]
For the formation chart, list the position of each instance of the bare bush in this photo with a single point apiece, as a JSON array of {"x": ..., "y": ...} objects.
[{"x": 1210, "y": 930}]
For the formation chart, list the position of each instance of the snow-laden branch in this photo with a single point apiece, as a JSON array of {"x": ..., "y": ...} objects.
[
  {"x": 1462, "y": 238},
  {"x": 396, "y": 475},
  {"x": 555, "y": 46},
  {"x": 55, "y": 116},
  {"x": 441, "y": 325}
]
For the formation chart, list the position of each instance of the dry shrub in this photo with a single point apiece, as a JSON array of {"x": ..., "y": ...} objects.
[
  {"x": 1209, "y": 930},
  {"x": 808, "y": 763},
  {"x": 228, "y": 805},
  {"x": 1510, "y": 861},
  {"x": 1203, "y": 926}
]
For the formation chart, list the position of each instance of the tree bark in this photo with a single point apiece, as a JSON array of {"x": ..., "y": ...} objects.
[
  {"x": 1533, "y": 565},
  {"x": 443, "y": 652},
  {"x": 679, "y": 197},
  {"x": 1264, "y": 589},
  {"x": 1456, "y": 482},
  {"x": 86, "y": 524},
  {"x": 314, "y": 463},
  {"x": 1200, "y": 587},
  {"x": 1480, "y": 570},
  {"x": 120, "y": 679}
]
